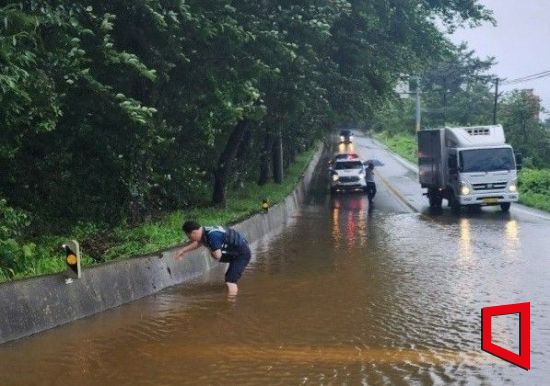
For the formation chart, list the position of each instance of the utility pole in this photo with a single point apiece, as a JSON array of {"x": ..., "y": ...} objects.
[
  {"x": 496, "y": 102},
  {"x": 417, "y": 103},
  {"x": 445, "y": 101}
]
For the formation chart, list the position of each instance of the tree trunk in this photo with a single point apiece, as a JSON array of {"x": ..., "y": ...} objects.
[
  {"x": 136, "y": 214},
  {"x": 265, "y": 158},
  {"x": 291, "y": 152},
  {"x": 278, "y": 159},
  {"x": 226, "y": 161}
]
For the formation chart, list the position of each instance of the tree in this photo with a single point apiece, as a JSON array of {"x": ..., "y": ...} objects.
[
  {"x": 519, "y": 114},
  {"x": 456, "y": 89}
]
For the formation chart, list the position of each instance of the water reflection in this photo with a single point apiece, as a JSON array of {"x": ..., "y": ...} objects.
[
  {"x": 346, "y": 148},
  {"x": 349, "y": 214},
  {"x": 335, "y": 224},
  {"x": 511, "y": 238},
  {"x": 465, "y": 242}
]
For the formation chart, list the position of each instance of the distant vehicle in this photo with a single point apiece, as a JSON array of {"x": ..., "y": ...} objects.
[
  {"x": 347, "y": 175},
  {"x": 346, "y": 136},
  {"x": 468, "y": 166}
]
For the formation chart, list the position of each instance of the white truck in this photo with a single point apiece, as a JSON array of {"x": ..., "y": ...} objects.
[{"x": 467, "y": 166}]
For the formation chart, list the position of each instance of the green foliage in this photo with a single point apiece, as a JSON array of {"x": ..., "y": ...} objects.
[
  {"x": 14, "y": 255},
  {"x": 519, "y": 114},
  {"x": 402, "y": 144},
  {"x": 166, "y": 232},
  {"x": 124, "y": 242},
  {"x": 534, "y": 187},
  {"x": 456, "y": 89},
  {"x": 395, "y": 117}
]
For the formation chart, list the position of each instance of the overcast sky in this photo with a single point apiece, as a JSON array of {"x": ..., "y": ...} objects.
[{"x": 520, "y": 42}]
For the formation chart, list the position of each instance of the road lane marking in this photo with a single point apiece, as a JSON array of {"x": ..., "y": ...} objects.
[{"x": 397, "y": 193}]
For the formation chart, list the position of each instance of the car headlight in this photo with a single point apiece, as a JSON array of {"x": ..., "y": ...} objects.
[
  {"x": 341, "y": 138},
  {"x": 335, "y": 177},
  {"x": 464, "y": 189},
  {"x": 513, "y": 188}
]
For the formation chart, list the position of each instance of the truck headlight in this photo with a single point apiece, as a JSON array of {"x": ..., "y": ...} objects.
[
  {"x": 464, "y": 189},
  {"x": 335, "y": 177},
  {"x": 512, "y": 188}
]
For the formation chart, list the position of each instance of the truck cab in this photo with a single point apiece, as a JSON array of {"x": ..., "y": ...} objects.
[{"x": 467, "y": 166}]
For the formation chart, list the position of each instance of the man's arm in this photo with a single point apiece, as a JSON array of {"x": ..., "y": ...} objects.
[{"x": 188, "y": 248}]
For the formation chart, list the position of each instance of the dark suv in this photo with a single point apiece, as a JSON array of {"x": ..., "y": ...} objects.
[{"x": 346, "y": 136}]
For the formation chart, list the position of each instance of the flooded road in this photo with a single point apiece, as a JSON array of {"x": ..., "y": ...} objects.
[{"x": 345, "y": 295}]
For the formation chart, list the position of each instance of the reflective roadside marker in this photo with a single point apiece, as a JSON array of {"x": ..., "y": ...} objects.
[
  {"x": 72, "y": 259},
  {"x": 265, "y": 206}
]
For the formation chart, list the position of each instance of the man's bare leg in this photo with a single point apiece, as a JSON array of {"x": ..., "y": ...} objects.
[{"x": 232, "y": 289}]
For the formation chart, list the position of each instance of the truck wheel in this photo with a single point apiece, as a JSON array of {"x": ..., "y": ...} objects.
[
  {"x": 454, "y": 204},
  {"x": 435, "y": 199},
  {"x": 505, "y": 206}
]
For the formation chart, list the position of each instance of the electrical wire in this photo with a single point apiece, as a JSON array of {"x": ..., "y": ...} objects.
[{"x": 527, "y": 78}]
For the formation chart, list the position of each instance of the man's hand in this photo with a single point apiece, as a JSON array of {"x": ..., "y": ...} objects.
[{"x": 178, "y": 255}]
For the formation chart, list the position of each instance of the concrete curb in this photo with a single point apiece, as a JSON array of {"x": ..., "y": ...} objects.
[{"x": 34, "y": 305}]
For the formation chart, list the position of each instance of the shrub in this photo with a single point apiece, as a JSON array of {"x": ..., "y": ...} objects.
[{"x": 14, "y": 255}]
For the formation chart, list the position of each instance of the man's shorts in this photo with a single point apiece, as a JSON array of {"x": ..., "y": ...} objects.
[{"x": 237, "y": 267}]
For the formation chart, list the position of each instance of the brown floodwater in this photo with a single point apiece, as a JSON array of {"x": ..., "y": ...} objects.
[{"x": 343, "y": 295}]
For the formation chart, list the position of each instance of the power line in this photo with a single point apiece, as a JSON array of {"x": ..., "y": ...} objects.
[
  {"x": 527, "y": 78},
  {"x": 522, "y": 78}
]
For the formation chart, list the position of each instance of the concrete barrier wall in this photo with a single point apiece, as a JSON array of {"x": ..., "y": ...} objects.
[{"x": 37, "y": 304}]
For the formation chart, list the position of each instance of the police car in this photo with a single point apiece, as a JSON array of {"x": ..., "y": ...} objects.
[
  {"x": 347, "y": 174},
  {"x": 342, "y": 156}
]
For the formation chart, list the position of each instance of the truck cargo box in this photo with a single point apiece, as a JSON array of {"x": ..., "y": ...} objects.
[
  {"x": 474, "y": 136},
  {"x": 431, "y": 158}
]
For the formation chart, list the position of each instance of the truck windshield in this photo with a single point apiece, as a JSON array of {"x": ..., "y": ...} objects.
[{"x": 486, "y": 160}]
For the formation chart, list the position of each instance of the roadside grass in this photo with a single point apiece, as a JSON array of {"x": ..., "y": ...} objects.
[
  {"x": 241, "y": 204},
  {"x": 534, "y": 187},
  {"x": 534, "y": 184},
  {"x": 402, "y": 144},
  {"x": 123, "y": 242}
]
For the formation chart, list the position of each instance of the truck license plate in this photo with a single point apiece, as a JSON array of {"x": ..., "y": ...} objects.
[{"x": 489, "y": 200}]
